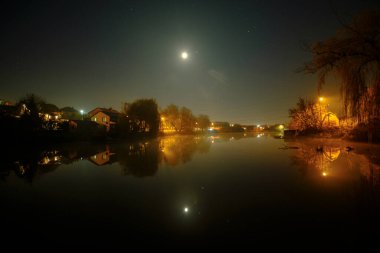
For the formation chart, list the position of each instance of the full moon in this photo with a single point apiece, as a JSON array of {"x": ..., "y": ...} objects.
[{"x": 184, "y": 55}]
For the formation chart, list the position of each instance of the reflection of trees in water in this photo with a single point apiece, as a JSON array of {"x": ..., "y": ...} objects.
[
  {"x": 310, "y": 159},
  {"x": 331, "y": 153},
  {"x": 369, "y": 171},
  {"x": 315, "y": 157},
  {"x": 28, "y": 161},
  {"x": 143, "y": 158},
  {"x": 224, "y": 137},
  {"x": 369, "y": 159},
  {"x": 176, "y": 150},
  {"x": 370, "y": 185},
  {"x": 29, "y": 166},
  {"x": 321, "y": 156},
  {"x": 139, "y": 159},
  {"x": 369, "y": 167}
]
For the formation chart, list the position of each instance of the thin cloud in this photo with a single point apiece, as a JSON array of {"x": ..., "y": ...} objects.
[{"x": 218, "y": 76}]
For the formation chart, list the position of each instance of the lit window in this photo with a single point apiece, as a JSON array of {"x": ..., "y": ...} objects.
[{"x": 104, "y": 119}]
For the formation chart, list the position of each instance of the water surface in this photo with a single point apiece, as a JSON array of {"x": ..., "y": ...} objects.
[{"x": 234, "y": 189}]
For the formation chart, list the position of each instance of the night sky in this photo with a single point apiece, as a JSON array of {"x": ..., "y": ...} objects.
[{"x": 243, "y": 55}]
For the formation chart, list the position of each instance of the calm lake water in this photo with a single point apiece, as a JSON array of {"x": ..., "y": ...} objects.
[{"x": 229, "y": 189}]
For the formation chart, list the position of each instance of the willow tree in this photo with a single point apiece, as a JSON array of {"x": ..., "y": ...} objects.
[
  {"x": 145, "y": 112},
  {"x": 353, "y": 55}
]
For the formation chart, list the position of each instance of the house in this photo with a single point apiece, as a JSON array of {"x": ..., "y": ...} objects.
[
  {"x": 85, "y": 130},
  {"x": 107, "y": 117},
  {"x": 219, "y": 126},
  {"x": 100, "y": 109},
  {"x": 51, "y": 116},
  {"x": 13, "y": 110}
]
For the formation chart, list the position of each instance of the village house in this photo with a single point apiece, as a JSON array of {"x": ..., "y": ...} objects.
[
  {"x": 107, "y": 117},
  {"x": 51, "y": 116},
  {"x": 219, "y": 126},
  {"x": 8, "y": 109}
]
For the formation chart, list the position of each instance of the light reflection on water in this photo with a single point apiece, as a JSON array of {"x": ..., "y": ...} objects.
[
  {"x": 337, "y": 159},
  {"x": 243, "y": 186}
]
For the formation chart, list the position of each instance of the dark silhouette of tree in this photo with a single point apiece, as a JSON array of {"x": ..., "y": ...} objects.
[
  {"x": 70, "y": 113},
  {"x": 49, "y": 108},
  {"x": 183, "y": 119},
  {"x": 187, "y": 120},
  {"x": 139, "y": 159},
  {"x": 124, "y": 126},
  {"x": 145, "y": 113},
  {"x": 353, "y": 54},
  {"x": 203, "y": 122}
]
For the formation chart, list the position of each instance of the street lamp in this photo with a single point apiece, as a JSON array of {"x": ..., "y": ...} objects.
[
  {"x": 321, "y": 99},
  {"x": 81, "y": 113}
]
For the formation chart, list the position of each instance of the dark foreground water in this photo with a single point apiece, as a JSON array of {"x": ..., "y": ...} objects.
[{"x": 214, "y": 191}]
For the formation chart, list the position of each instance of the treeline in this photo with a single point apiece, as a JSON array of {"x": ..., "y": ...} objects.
[
  {"x": 33, "y": 118},
  {"x": 182, "y": 120}
]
